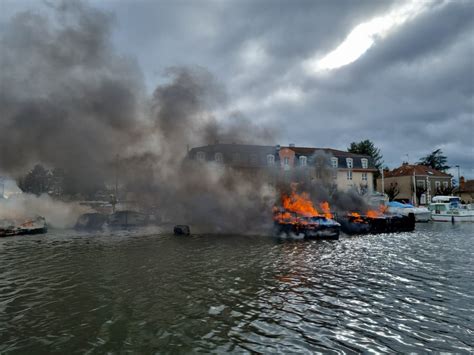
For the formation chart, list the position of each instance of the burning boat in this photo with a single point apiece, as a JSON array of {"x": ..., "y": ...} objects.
[
  {"x": 374, "y": 222},
  {"x": 298, "y": 216},
  {"x": 10, "y": 227}
]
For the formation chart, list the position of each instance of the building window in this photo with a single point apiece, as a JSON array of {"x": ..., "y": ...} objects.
[
  {"x": 270, "y": 159},
  {"x": 420, "y": 183},
  {"x": 303, "y": 160},
  {"x": 236, "y": 157},
  {"x": 350, "y": 163},
  {"x": 201, "y": 156},
  {"x": 253, "y": 159},
  {"x": 365, "y": 163},
  {"x": 286, "y": 161},
  {"x": 445, "y": 184},
  {"x": 334, "y": 174},
  {"x": 334, "y": 162},
  {"x": 437, "y": 185},
  {"x": 364, "y": 176},
  {"x": 349, "y": 175},
  {"x": 219, "y": 158}
]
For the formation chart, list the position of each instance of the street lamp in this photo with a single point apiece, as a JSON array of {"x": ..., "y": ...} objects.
[{"x": 459, "y": 180}]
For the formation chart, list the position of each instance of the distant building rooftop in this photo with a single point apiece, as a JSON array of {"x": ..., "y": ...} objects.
[{"x": 419, "y": 170}]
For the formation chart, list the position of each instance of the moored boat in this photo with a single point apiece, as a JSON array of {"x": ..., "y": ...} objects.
[
  {"x": 422, "y": 214},
  {"x": 450, "y": 209}
]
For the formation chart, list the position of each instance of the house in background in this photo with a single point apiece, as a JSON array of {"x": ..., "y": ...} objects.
[
  {"x": 465, "y": 190},
  {"x": 416, "y": 183},
  {"x": 340, "y": 169}
]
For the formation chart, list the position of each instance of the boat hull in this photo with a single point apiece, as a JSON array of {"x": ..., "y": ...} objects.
[
  {"x": 308, "y": 231},
  {"x": 385, "y": 224},
  {"x": 452, "y": 217}
]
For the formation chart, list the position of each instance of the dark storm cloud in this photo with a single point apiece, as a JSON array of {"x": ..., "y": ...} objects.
[{"x": 412, "y": 92}]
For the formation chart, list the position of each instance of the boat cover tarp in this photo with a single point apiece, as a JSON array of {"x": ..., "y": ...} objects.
[{"x": 399, "y": 204}]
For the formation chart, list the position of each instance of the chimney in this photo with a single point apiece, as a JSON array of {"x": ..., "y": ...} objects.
[
  {"x": 277, "y": 147},
  {"x": 461, "y": 183}
]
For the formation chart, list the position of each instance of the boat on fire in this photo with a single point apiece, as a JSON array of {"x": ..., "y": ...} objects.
[
  {"x": 375, "y": 223},
  {"x": 13, "y": 227},
  {"x": 310, "y": 227},
  {"x": 450, "y": 209}
]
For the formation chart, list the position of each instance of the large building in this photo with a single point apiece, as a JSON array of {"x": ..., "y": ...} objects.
[
  {"x": 415, "y": 183},
  {"x": 342, "y": 169}
]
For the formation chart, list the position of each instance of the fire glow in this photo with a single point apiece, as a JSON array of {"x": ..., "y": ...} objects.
[{"x": 294, "y": 205}]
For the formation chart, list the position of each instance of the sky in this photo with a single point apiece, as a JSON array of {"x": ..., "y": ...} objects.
[{"x": 326, "y": 73}]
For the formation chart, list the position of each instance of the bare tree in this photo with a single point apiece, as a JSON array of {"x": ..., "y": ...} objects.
[{"x": 392, "y": 191}]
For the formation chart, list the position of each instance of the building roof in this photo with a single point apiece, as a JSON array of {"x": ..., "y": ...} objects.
[
  {"x": 249, "y": 154},
  {"x": 419, "y": 170},
  {"x": 467, "y": 186},
  {"x": 340, "y": 154},
  {"x": 237, "y": 154},
  {"x": 337, "y": 153}
]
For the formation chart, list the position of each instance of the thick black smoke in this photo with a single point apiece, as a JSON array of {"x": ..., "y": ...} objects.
[{"x": 70, "y": 101}]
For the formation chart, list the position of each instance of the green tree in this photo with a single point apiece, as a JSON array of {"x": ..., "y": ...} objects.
[
  {"x": 367, "y": 147},
  {"x": 37, "y": 181},
  {"x": 435, "y": 160}
]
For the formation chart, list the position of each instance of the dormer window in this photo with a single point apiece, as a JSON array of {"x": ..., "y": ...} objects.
[
  {"x": 201, "y": 156},
  {"x": 219, "y": 158},
  {"x": 303, "y": 160},
  {"x": 334, "y": 163},
  {"x": 270, "y": 159},
  {"x": 365, "y": 163},
  {"x": 350, "y": 163}
]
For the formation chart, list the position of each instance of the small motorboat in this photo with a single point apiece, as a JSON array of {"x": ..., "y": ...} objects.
[
  {"x": 450, "y": 209},
  {"x": 422, "y": 214}
]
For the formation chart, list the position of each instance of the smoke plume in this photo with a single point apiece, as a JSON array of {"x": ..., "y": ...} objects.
[{"x": 70, "y": 101}]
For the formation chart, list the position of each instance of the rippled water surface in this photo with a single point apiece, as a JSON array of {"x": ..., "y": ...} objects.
[{"x": 68, "y": 293}]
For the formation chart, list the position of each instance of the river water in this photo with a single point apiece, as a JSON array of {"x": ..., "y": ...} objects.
[{"x": 143, "y": 293}]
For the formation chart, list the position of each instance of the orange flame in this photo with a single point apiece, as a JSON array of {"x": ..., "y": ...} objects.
[
  {"x": 357, "y": 218},
  {"x": 300, "y": 204},
  {"x": 326, "y": 209},
  {"x": 376, "y": 213}
]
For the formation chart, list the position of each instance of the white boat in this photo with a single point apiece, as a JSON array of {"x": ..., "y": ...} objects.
[
  {"x": 450, "y": 209},
  {"x": 422, "y": 214}
]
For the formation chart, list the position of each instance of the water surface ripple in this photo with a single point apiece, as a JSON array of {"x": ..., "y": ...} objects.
[{"x": 131, "y": 292}]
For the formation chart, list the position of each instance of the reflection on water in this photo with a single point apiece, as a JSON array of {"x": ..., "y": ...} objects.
[{"x": 65, "y": 293}]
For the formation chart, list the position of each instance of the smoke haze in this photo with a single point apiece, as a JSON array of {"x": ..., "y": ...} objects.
[{"x": 70, "y": 101}]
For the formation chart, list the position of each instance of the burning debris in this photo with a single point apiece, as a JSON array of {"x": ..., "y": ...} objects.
[
  {"x": 375, "y": 221},
  {"x": 12, "y": 227}
]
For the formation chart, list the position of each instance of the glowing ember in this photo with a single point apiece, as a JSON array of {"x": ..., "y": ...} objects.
[{"x": 357, "y": 218}]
